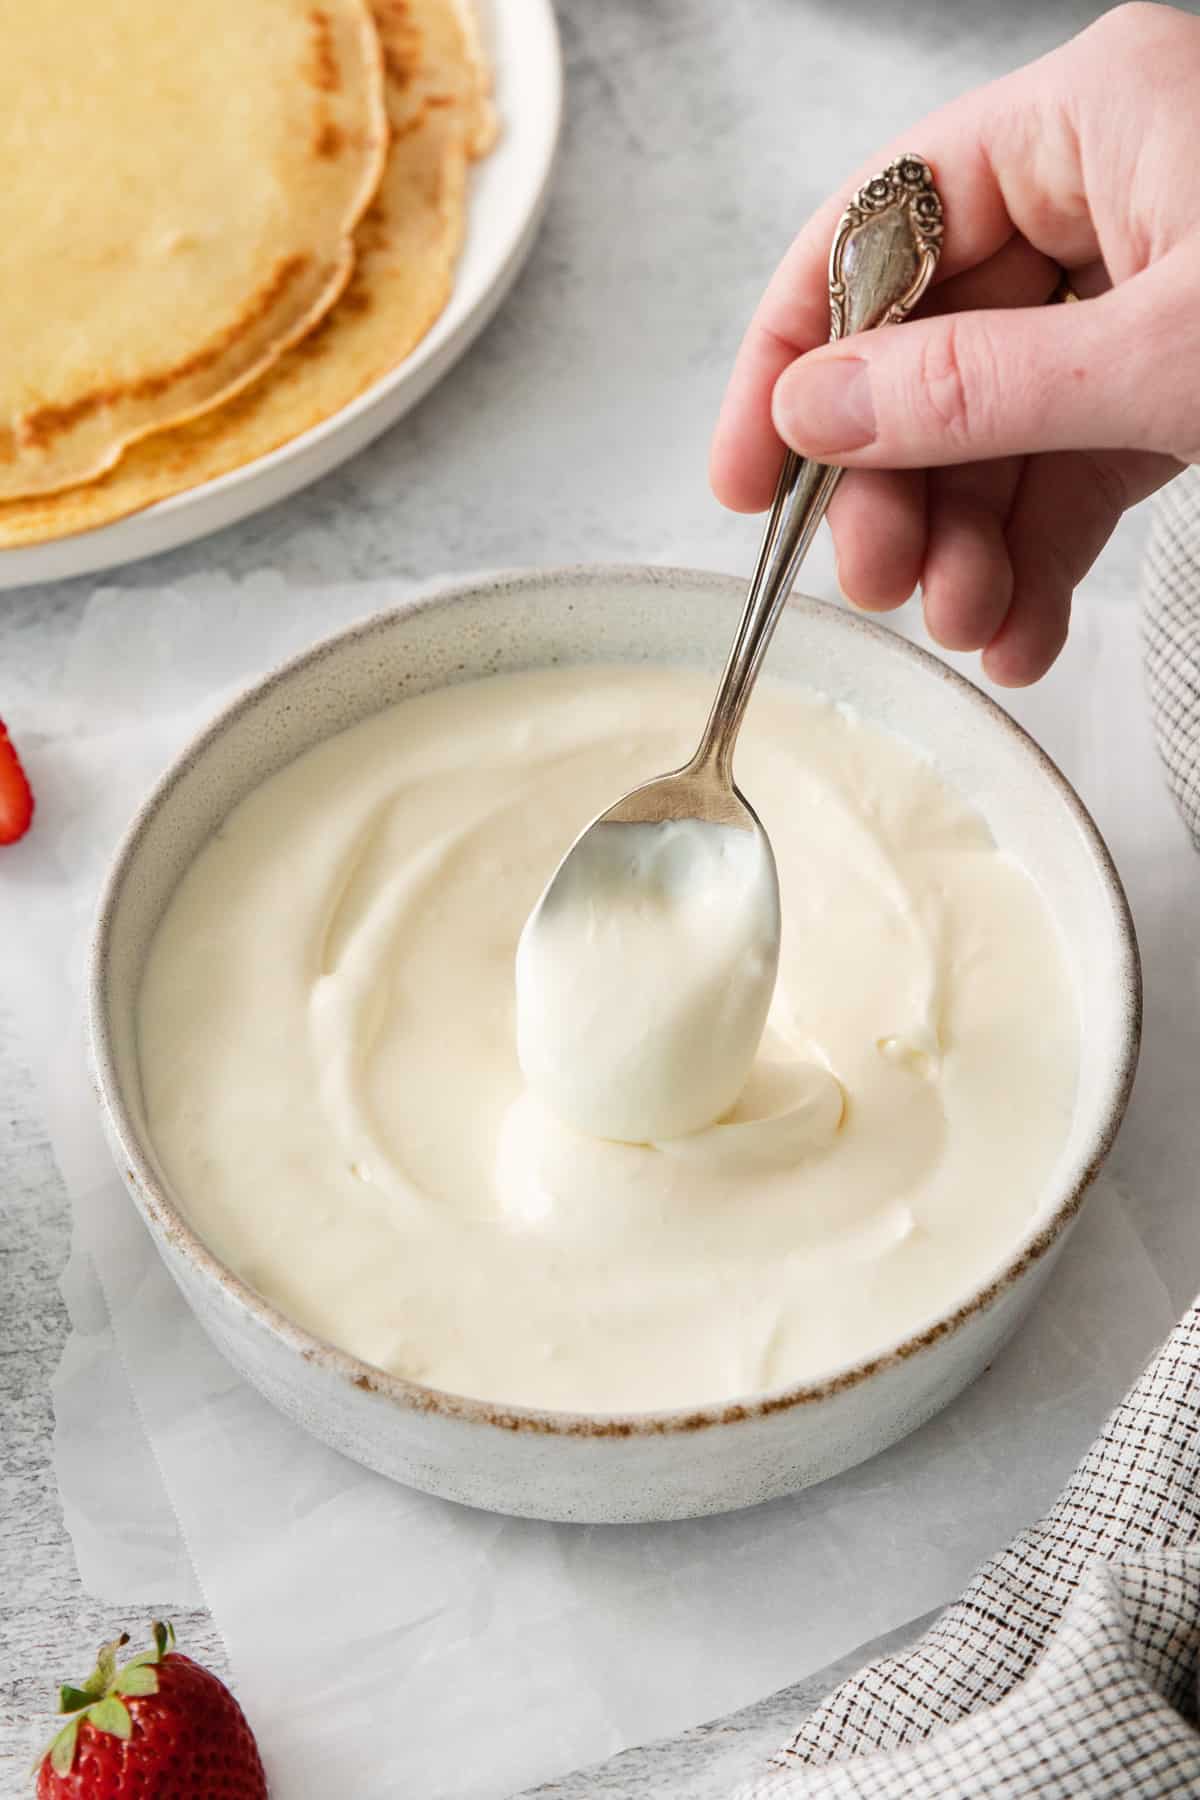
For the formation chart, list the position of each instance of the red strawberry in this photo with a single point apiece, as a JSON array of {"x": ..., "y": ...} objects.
[
  {"x": 162, "y": 1726},
  {"x": 16, "y": 800}
]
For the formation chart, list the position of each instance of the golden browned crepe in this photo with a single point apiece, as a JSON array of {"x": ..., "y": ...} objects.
[
  {"x": 180, "y": 184},
  {"x": 406, "y": 247}
]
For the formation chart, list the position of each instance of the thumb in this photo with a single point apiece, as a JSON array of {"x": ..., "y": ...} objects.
[{"x": 1118, "y": 372}]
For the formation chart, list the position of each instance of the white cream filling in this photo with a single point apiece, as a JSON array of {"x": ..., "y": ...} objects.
[{"x": 327, "y": 1040}]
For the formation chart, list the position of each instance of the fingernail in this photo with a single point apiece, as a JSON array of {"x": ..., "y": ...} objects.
[{"x": 823, "y": 406}]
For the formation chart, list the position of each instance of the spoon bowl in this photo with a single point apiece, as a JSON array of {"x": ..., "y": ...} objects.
[
  {"x": 696, "y": 791},
  {"x": 655, "y": 945}
]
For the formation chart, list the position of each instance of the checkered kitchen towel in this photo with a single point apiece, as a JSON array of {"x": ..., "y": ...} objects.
[
  {"x": 1171, "y": 629},
  {"x": 1070, "y": 1667}
]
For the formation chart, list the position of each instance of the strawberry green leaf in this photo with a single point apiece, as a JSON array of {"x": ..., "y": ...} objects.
[
  {"x": 136, "y": 1678},
  {"x": 62, "y": 1750},
  {"x": 141, "y": 1659},
  {"x": 73, "y": 1699},
  {"x": 111, "y": 1715},
  {"x": 164, "y": 1638}
]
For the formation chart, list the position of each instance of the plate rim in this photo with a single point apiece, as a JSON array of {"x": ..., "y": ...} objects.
[{"x": 242, "y": 493}]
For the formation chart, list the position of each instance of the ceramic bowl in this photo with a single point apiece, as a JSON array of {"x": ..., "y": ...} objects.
[{"x": 560, "y": 1465}]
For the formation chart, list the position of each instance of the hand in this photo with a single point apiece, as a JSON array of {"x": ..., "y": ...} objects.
[{"x": 995, "y": 440}]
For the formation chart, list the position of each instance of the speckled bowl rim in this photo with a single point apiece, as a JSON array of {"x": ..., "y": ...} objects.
[{"x": 164, "y": 1218}]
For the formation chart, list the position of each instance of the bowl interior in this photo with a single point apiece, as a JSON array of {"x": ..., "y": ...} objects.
[{"x": 638, "y": 616}]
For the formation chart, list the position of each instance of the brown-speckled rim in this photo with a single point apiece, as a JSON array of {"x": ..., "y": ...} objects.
[{"x": 167, "y": 1221}]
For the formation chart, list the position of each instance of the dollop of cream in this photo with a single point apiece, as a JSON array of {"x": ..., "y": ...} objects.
[
  {"x": 327, "y": 1049},
  {"x": 644, "y": 975}
]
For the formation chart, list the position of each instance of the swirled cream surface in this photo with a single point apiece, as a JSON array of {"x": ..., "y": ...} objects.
[{"x": 327, "y": 1046}]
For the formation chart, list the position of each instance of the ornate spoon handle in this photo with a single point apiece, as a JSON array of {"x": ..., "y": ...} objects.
[{"x": 884, "y": 254}]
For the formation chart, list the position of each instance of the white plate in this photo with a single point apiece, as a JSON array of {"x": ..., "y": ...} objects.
[{"x": 508, "y": 196}]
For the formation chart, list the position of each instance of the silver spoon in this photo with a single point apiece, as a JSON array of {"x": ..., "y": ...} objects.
[{"x": 883, "y": 257}]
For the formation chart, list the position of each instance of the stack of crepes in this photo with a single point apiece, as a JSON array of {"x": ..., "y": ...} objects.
[{"x": 219, "y": 223}]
